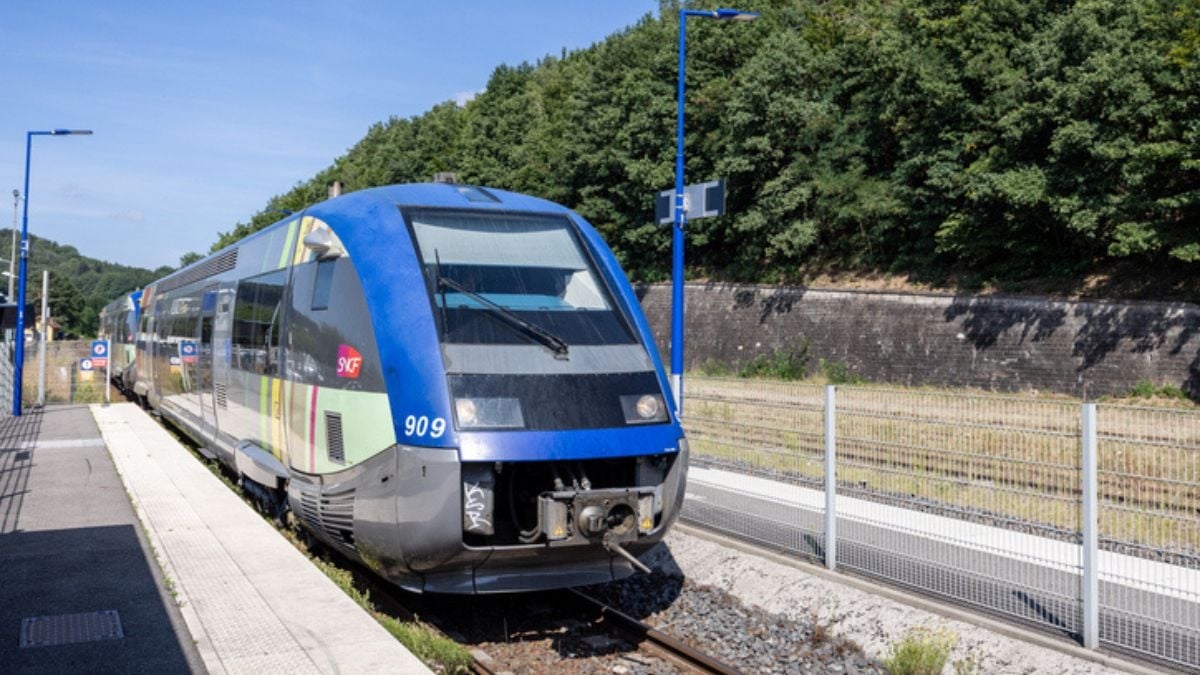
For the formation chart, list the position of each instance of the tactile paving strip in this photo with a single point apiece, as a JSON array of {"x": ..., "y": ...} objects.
[{"x": 65, "y": 629}]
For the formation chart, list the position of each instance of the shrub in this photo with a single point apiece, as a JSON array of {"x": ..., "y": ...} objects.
[
  {"x": 788, "y": 363},
  {"x": 921, "y": 652},
  {"x": 1147, "y": 389},
  {"x": 838, "y": 372}
]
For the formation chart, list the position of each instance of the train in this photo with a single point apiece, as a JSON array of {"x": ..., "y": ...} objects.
[
  {"x": 453, "y": 385},
  {"x": 119, "y": 325}
]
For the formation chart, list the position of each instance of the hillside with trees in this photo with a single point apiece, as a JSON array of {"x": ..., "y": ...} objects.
[
  {"x": 995, "y": 144},
  {"x": 79, "y": 286}
]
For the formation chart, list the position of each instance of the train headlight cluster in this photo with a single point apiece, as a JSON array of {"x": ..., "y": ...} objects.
[
  {"x": 488, "y": 413},
  {"x": 645, "y": 409}
]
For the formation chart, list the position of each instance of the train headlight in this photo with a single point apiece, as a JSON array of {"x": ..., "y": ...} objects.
[
  {"x": 488, "y": 413},
  {"x": 645, "y": 409}
]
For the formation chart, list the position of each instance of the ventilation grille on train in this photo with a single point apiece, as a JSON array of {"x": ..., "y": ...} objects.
[
  {"x": 212, "y": 267},
  {"x": 219, "y": 392},
  {"x": 333, "y": 437},
  {"x": 332, "y": 515}
]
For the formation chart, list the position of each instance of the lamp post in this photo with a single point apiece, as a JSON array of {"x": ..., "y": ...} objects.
[
  {"x": 19, "y": 366},
  {"x": 680, "y": 217}
]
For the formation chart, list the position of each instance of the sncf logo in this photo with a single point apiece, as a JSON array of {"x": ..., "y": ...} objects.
[{"x": 349, "y": 362}]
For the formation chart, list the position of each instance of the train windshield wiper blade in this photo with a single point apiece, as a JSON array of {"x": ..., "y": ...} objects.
[{"x": 550, "y": 340}]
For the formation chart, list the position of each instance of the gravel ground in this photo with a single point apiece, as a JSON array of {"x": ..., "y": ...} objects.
[
  {"x": 542, "y": 634},
  {"x": 537, "y": 633},
  {"x": 872, "y": 622},
  {"x": 747, "y": 638}
]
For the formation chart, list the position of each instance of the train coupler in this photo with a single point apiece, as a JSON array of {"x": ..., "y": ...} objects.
[{"x": 611, "y": 515}]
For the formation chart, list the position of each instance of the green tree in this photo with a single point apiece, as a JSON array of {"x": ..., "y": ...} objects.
[
  {"x": 958, "y": 142},
  {"x": 69, "y": 308}
]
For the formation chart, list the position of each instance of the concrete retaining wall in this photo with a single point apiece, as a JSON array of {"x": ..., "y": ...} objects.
[{"x": 1000, "y": 343}]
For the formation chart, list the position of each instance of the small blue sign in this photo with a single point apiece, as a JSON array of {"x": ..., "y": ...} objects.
[
  {"x": 99, "y": 349},
  {"x": 85, "y": 364},
  {"x": 187, "y": 349}
]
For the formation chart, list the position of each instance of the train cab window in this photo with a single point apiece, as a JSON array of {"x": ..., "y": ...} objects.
[
  {"x": 481, "y": 265},
  {"x": 323, "y": 285}
]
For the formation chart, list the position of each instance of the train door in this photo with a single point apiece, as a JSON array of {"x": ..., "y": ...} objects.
[
  {"x": 145, "y": 355},
  {"x": 204, "y": 365},
  {"x": 162, "y": 355},
  {"x": 220, "y": 357}
]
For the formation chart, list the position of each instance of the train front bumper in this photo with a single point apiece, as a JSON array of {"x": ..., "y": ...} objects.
[{"x": 402, "y": 514}]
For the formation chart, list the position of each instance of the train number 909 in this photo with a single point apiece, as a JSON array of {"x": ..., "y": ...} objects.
[{"x": 422, "y": 426}]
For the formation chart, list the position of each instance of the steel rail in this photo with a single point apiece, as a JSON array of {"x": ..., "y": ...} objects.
[{"x": 672, "y": 648}]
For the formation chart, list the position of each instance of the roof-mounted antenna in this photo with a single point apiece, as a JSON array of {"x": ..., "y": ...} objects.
[
  {"x": 335, "y": 189},
  {"x": 447, "y": 177}
]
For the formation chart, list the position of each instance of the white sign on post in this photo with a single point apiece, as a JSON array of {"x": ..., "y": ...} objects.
[{"x": 702, "y": 200}]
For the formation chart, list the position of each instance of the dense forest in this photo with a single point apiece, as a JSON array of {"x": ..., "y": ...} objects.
[
  {"x": 79, "y": 286},
  {"x": 968, "y": 144}
]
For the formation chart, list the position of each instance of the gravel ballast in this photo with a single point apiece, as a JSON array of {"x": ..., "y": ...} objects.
[{"x": 872, "y": 622}]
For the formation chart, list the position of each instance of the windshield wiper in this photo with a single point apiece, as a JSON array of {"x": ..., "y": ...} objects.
[
  {"x": 550, "y": 340},
  {"x": 437, "y": 271}
]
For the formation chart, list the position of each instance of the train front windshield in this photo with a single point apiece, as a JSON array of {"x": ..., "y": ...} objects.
[{"x": 503, "y": 278}]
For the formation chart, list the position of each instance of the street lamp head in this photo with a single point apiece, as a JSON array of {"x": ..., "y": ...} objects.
[
  {"x": 71, "y": 132},
  {"x": 735, "y": 15}
]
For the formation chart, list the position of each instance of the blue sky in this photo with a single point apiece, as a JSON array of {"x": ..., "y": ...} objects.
[{"x": 203, "y": 111}]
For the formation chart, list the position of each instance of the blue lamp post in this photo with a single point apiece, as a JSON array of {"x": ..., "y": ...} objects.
[
  {"x": 680, "y": 217},
  {"x": 19, "y": 366}
]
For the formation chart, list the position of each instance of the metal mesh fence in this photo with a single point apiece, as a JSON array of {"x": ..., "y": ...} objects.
[
  {"x": 973, "y": 498},
  {"x": 7, "y": 350},
  {"x": 1149, "y": 530},
  {"x": 65, "y": 381},
  {"x": 757, "y": 457}
]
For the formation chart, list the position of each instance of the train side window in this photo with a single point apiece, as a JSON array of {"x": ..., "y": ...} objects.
[{"x": 323, "y": 285}]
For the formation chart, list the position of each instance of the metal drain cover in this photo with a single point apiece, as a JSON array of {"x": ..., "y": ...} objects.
[{"x": 65, "y": 629}]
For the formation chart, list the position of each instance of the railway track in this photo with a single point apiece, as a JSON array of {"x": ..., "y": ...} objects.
[
  {"x": 567, "y": 631},
  {"x": 670, "y": 648}
]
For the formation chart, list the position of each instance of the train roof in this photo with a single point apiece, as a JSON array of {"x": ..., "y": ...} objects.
[
  {"x": 126, "y": 301},
  {"x": 451, "y": 195},
  {"x": 367, "y": 202}
]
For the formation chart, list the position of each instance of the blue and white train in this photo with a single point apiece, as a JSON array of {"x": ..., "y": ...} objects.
[{"x": 454, "y": 385}]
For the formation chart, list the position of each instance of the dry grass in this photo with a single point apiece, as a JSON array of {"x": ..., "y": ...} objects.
[{"x": 1013, "y": 458}]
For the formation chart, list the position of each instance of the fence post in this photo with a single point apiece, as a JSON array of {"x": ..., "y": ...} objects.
[
  {"x": 1090, "y": 524},
  {"x": 830, "y": 477},
  {"x": 41, "y": 399}
]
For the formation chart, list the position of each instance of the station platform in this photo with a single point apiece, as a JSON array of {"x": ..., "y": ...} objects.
[{"x": 120, "y": 552}]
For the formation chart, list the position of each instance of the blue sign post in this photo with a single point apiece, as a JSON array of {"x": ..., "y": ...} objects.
[
  {"x": 679, "y": 211},
  {"x": 100, "y": 357}
]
